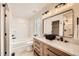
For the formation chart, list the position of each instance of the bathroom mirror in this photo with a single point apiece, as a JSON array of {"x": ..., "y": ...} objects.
[
  {"x": 53, "y": 25},
  {"x": 68, "y": 24},
  {"x": 60, "y": 24}
]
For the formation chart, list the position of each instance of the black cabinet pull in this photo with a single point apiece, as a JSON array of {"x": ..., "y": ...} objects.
[{"x": 48, "y": 55}]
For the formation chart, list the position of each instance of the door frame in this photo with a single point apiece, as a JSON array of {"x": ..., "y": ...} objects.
[
  {"x": 4, "y": 8},
  {"x": 2, "y": 30}
]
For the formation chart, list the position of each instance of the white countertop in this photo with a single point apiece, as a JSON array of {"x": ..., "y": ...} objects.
[{"x": 69, "y": 48}]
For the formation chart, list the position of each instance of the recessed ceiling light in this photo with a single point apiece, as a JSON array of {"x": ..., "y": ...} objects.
[{"x": 34, "y": 11}]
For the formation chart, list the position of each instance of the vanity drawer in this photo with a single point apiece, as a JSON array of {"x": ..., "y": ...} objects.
[
  {"x": 48, "y": 52},
  {"x": 57, "y": 52}
]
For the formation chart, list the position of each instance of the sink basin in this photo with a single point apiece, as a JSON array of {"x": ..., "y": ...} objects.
[{"x": 50, "y": 36}]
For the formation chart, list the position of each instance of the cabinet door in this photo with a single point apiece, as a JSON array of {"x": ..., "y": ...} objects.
[{"x": 47, "y": 51}]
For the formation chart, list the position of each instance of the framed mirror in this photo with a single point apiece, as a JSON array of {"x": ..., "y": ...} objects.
[{"x": 61, "y": 24}]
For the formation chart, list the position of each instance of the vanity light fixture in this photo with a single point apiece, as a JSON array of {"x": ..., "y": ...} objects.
[
  {"x": 60, "y": 5},
  {"x": 45, "y": 12}
]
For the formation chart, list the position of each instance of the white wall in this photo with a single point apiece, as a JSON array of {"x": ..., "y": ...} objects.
[
  {"x": 21, "y": 29},
  {"x": 31, "y": 25}
]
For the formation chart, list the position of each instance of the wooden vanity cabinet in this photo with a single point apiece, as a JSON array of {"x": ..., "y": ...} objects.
[
  {"x": 43, "y": 49},
  {"x": 37, "y": 47}
]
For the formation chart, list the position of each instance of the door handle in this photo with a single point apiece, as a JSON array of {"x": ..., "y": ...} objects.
[{"x": 13, "y": 36}]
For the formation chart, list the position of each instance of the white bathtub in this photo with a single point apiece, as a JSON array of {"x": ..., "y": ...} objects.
[{"x": 22, "y": 46}]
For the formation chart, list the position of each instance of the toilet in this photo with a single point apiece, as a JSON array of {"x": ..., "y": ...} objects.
[{"x": 29, "y": 46}]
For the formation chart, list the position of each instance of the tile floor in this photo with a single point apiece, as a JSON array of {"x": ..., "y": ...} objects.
[{"x": 25, "y": 53}]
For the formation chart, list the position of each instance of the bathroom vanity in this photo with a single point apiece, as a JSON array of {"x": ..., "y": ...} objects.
[
  {"x": 61, "y": 24},
  {"x": 44, "y": 47}
]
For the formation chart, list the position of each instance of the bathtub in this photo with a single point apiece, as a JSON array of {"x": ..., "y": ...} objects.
[{"x": 22, "y": 46}]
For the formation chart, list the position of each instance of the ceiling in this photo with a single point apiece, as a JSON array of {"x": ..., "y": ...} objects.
[{"x": 26, "y": 10}]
